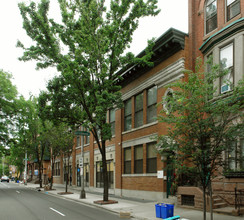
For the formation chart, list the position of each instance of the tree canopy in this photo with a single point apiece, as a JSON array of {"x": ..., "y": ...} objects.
[
  {"x": 87, "y": 48},
  {"x": 8, "y": 96}
]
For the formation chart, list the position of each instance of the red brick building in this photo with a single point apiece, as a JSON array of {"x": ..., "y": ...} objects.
[
  {"x": 135, "y": 169},
  {"x": 216, "y": 27}
]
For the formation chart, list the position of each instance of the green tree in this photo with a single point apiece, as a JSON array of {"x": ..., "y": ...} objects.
[
  {"x": 8, "y": 96},
  {"x": 202, "y": 124},
  {"x": 88, "y": 48},
  {"x": 60, "y": 139}
]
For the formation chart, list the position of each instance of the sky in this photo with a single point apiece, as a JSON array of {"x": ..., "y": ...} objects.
[{"x": 29, "y": 81}]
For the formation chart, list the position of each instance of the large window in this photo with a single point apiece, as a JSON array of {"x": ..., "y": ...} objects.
[
  {"x": 112, "y": 120},
  {"x": 232, "y": 156},
  {"x": 127, "y": 160},
  {"x": 211, "y": 15},
  {"x": 99, "y": 174},
  {"x": 235, "y": 155},
  {"x": 233, "y": 8},
  {"x": 138, "y": 159},
  {"x": 226, "y": 64},
  {"x": 139, "y": 110},
  {"x": 127, "y": 118},
  {"x": 152, "y": 104},
  {"x": 57, "y": 169},
  {"x": 151, "y": 158}
]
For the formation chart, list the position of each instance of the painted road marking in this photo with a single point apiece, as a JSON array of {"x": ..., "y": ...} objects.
[{"x": 56, "y": 211}]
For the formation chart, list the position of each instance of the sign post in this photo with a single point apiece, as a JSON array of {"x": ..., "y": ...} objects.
[{"x": 81, "y": 161}]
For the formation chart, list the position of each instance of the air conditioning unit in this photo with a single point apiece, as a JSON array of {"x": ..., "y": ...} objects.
[{"x": 225, "y": 88}]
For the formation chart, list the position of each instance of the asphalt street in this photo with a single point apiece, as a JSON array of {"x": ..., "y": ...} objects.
[{"x": 18, "y": 203}]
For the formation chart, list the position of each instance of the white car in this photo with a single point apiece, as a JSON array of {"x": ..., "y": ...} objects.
[{"x": 4, "y": 179}]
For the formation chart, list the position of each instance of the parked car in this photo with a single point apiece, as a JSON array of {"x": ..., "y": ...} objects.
[{"x": 4, "y": 179}]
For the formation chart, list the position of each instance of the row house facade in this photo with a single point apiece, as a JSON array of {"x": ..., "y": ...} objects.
[{"x": 216, "y": 29}]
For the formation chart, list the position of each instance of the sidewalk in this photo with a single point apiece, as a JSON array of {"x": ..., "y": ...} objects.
[{"x": 138, "y": 209}]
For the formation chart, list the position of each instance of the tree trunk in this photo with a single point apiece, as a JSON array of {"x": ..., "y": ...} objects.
[
  {"x": 204, "y": 203},
  {"x": 211, "y": 200},
  {"x": 105, "y": 173},
  {"x": 40, "y": 175},
  {"x": 52, "y": 174}
]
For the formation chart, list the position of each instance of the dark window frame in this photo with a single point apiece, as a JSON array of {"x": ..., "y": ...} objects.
[
  {"x": 151, "y": 161},
  {"x": 211, "y": 20},
  {"x": 230, "y": 7},
  {"x": 138, "y": 110},
  {"x": 138, "y": 159},
  {"x": 127, "y": 115},
  {"x": 150, "y": 105},
  {"x": 127, "y": 162}
]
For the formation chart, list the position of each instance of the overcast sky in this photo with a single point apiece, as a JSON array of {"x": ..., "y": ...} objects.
[{"x": 174, "y": 13}]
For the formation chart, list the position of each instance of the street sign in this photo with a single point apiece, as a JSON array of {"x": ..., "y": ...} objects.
[{"x": 83, "y": 133}]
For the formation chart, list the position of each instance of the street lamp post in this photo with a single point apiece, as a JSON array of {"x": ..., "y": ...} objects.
[
  {"x": 82, "y": 134},
  {"x": 82, "y": 192},
  {"x": 25, "y": 173}
]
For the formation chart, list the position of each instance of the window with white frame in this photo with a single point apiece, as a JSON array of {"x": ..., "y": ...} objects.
[
  {"x": 232, "y": 9},
  {"x": 139, "y": 110},
  {"x": 127, "y": 115},
  {"x": 211, "y": 15},
  {"x": 152, "y": 104},
  {"x": 112, "y": 120},
  {"x": 226, "y": 64}
]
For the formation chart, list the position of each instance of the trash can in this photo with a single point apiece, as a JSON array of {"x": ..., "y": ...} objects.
[
  {"x": 164, "y": 210},
  {"x": 158, "y": 209},
  {"x": 170, "y": 210}
]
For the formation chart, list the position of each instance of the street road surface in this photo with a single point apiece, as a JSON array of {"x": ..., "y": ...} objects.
[{"x": 20, "y": 203}]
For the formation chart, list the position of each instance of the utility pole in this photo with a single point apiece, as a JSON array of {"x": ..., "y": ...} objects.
[
  {"x": 82, "y": 192},
  {"x": 3, "y": 164},
  {"x": 82, "y": 134}
]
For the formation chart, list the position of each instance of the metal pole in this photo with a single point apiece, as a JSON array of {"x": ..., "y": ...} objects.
[
  {"x": 82, "y": 193},
  {"x": 3, "y": 164},
  {"x": 25, "y": 173}
]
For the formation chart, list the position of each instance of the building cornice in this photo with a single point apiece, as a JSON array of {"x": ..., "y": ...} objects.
[{"x": 169, "y": 43}]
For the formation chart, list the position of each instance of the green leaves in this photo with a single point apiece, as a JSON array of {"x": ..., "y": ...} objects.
[
  {"x": 88, "y": 49},
  {"x": 202, "y": 123}
]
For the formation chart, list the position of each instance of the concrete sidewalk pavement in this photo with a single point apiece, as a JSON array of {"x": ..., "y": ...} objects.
[{"x": 138, "y": 209}]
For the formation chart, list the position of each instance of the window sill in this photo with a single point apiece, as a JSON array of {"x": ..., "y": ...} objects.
[
  {"x": 139, "y": 128},
  {"x": 140, "y": 175},
  {"x": 234, "y": 174}
]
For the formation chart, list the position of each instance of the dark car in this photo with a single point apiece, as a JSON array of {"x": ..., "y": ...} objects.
[{"x": 4, "y": 179}]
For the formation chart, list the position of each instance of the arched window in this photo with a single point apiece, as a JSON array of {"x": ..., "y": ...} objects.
[
  {"x": 232, "y": 8},
  {"x": 210, "y": 15}
]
